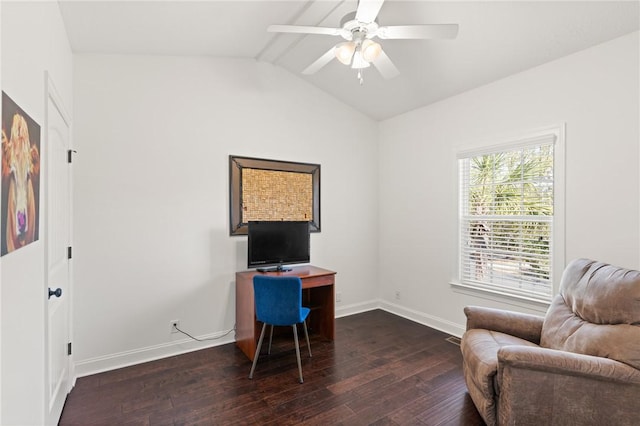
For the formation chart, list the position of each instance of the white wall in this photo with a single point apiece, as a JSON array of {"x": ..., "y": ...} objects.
[
  {"x": 33, "y": 40},
  {"x": 595, "y": 92},
  {"x": 151, "y": 228}
]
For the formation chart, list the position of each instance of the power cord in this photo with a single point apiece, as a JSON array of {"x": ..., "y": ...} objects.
[{"x": 203, "y": 340}]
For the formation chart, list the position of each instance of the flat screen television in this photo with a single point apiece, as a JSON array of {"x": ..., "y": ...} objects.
[{"x": 277, "y": 243}]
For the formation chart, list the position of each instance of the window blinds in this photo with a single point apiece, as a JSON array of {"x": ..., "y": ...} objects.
[{"x": 506, "y": 218}]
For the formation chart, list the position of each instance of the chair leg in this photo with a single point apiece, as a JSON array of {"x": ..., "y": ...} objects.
[
  {"x": 295, "y": 337},
  {"x": 306, "y": 334},
  {"x": 257, "y": 354},
  {"x": 270, "y": 339}
]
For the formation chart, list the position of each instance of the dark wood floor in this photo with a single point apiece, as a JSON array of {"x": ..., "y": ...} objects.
[{"x": 381, "y": 369}]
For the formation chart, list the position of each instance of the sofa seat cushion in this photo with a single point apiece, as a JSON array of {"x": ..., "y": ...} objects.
[
  {"x": 480, "y": 354},
  {"x": 480, "y": 350}
]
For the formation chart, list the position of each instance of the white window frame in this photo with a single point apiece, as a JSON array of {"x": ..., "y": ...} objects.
[{"x": 557, "y": 244}]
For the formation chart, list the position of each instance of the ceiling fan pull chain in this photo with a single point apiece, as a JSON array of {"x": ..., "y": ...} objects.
[{"x": 360, "y": 77}]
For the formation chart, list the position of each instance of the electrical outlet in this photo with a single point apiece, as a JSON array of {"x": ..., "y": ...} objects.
[
  {"x": 397, "y": 295},
  {"x": 173, "y": 324},
  {"x": 338, "y": 297}
]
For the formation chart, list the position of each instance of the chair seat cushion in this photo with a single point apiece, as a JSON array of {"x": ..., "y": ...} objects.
[
  {"x": 480, "y": 353},
  {"x": 304, "y": 313}
]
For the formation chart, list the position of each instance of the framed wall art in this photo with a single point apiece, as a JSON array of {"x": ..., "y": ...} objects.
[
  {"x": 20, "y": 177},
  {"x": 261, "y": 189}
]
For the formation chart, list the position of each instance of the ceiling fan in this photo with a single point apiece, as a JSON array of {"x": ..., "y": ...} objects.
[{"x": 359, "y": 28}]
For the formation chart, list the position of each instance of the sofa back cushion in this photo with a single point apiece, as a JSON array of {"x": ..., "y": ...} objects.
[{"x": 596, "y": 313}]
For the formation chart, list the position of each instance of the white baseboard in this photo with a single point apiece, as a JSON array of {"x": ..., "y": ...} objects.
[
  {"x": 432, "y": 321},
  {"x": 416, "y": 316},
  {"x": 151, "y": 353},
  {"x": 357, "y": 308}
]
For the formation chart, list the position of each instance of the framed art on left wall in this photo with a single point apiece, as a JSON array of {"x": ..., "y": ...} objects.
[{"x": 20, "y": 177}]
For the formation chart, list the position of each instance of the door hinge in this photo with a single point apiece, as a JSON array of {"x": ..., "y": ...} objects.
[
  {"x": 70, "y": 153},
  {"x": 69, "y": 348},
  {"x": 69, "y": 252}
]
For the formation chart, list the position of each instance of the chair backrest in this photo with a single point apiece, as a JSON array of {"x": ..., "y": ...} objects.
[
  {"x": 278, "y": 299},
  {"x": 596, "y": 313}
]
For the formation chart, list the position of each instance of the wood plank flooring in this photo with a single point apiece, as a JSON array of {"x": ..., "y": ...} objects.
[{"x": 381, "y": 369}]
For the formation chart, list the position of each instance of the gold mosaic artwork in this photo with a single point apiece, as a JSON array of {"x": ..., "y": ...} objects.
[{"x": 276, "y": 195}]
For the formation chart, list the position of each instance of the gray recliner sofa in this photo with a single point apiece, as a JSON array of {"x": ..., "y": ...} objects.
[{"x": 577, "y": 365}]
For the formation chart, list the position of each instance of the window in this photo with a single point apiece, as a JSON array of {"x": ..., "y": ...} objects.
[{"x": 507, "y": 217}]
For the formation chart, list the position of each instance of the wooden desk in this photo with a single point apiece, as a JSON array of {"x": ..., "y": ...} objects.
[{"x": 318, "y": 293}]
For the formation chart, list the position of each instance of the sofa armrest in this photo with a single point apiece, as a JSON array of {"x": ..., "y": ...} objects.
[
  {"x": 551, "y": 361},
  {"x": 524, "y": 326},
  {"x": 546, "y": 386}
]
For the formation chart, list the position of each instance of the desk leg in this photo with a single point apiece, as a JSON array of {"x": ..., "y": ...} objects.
[{"x": 246, "y": 327}]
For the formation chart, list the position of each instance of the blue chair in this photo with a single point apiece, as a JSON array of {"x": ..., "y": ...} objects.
[{"x": 278, "y": 301}]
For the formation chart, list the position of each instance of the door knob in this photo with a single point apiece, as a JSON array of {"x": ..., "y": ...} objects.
[{"x": 57, "y": 292}]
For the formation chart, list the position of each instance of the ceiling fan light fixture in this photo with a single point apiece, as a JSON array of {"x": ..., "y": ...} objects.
[
  {"x": 358, "y": 61},
  {"x": 344, "y": 52},
  {"x": 370, "y": 50}
]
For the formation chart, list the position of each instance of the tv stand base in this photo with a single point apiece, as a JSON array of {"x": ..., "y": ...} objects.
[{"x": 278, "y": 268}]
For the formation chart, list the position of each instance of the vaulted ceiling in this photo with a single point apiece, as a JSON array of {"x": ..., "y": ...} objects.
[{"x": 495, "y": 39}]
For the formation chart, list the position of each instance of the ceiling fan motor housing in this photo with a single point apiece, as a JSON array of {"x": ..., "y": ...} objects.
[{"x": 352, "y": 28}]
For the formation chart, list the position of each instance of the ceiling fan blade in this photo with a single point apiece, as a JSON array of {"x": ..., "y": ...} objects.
[
  {"x": 385, "y": 66},
  {"x": 368, "y": 10},
  {"x": 418, "y": 31},
  {"x": 300, "y": 29},
  {"x": 320, "y": 62}
]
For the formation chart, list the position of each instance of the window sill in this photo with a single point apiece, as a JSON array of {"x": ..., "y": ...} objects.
[{"x": 539, "y": 305}]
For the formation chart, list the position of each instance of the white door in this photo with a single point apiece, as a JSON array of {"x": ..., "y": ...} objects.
[{"x": 58, "y": 239}]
